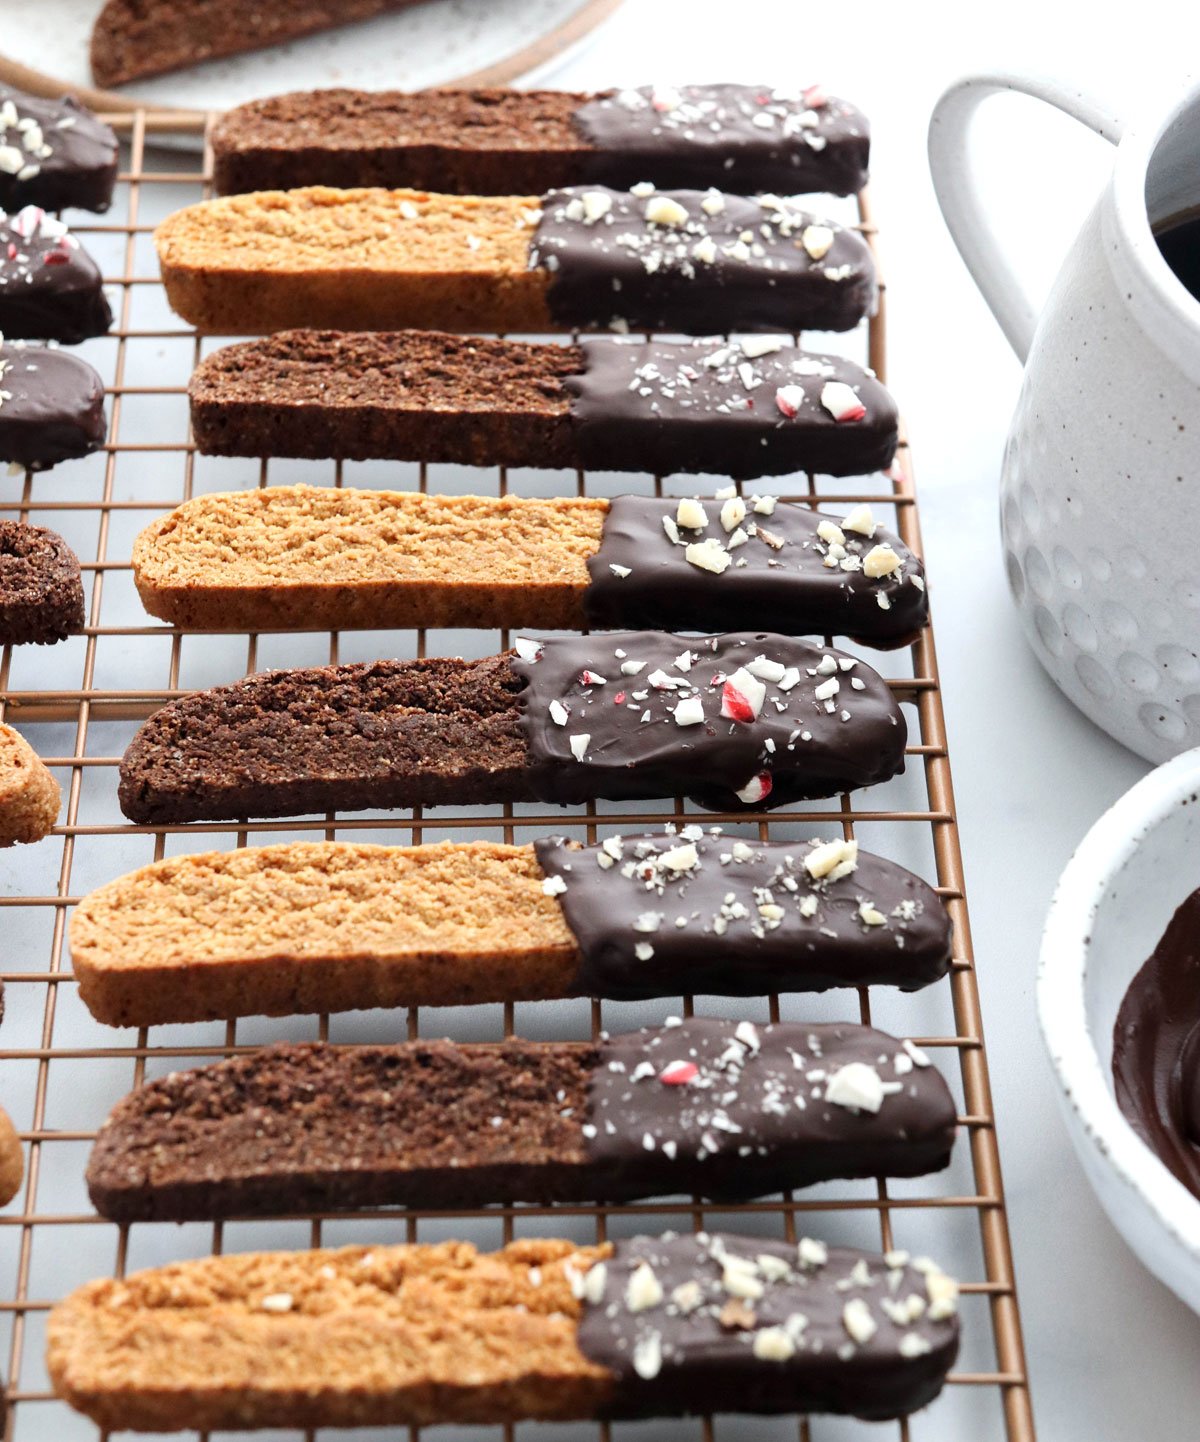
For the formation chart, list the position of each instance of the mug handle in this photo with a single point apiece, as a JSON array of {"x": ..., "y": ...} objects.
[{"x": 959, "y": 196}]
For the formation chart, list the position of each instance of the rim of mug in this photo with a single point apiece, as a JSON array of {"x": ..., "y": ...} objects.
[
  {"x": 1130, "y": 172},
  {"x": 1107, "y": 849}
]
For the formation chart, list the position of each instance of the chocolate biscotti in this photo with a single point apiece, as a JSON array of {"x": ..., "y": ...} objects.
[
  {"x": 421, "y": 1335},
  {"x": 54, "y": 153},
  {"x": 704, "y": 1106},
  {"x": 752, "y": 138},
  {"x": 50, "y": 287},
  {"x": 41, "y": 590},
  {"x": 337, "y": 558},
  {"x": 51, "y": 406},
  {"x": 29, "y": 795},
  {"x": 700, "y": 262},
  {"x": 132, "y": 39},
  {"x": 754, "y": 407},
  {"x": 331, "y": 926},
  {"x": 755, "y": 719}
]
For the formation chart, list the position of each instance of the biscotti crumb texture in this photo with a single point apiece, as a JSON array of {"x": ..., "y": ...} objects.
[
  {"x": 41, "y": 590},
  {"x": 29, "y": 796},
  {"x": 313, "y": 927},
  {"x": 362, "y": 259},
  {"x": 411, "y": 1335},
  {"x": 12, "y": 1160},
  {"x": 340, "y": 558}
]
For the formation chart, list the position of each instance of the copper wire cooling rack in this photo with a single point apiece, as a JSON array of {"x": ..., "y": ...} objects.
[{"x": 79, "y": 703}]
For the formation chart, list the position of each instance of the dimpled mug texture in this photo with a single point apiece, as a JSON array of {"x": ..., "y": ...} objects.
[{"x": 1094, "y": 538}]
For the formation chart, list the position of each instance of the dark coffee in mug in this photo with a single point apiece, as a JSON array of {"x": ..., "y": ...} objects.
[{"x": 1179, "y": 241}]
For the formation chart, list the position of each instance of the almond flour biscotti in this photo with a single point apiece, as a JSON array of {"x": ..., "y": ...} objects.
[
  {"x": 29, "y": 796},
  {"x": 420, "y": 1335},
  {"x": 337, "y": 558},
  {"x": 41, "y": 590},
  {"x": 51, "y": 406},
  {"x": 703, "y": 1106},
  {"x": 50, "y": 287},
  {"x": 703, "y": 263},
  {"x": 54, "y": 153},
  {"x": 12, "y": 1158},
  {"x": 755, "y": 719},
  {"x": 754, "y": 407},
  {"x": 332, "y": 926},
  {"x": 752, "y": 138}
]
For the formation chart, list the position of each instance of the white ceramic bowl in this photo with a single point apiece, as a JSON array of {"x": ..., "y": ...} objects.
[{"x": 1113, "y": 903}]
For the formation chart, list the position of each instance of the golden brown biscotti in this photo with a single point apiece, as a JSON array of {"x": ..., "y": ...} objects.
[
  {"x": 29, "y": 796},
  {"x": 576, "y": 258},
  {"x": 286, "y": 557},
  {"x": 321, "y": 557},
  {"x": 132, "y": 39},
  {"x": 315, "y": 927},
  {"x": 354, "y": 259},
  {"x": 343, "y": 1338},
  {"x": 12, "y": 1160},
  {"x": 644, "y": 1327}
]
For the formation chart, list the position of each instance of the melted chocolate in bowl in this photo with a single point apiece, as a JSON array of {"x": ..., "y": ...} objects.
[
  {"x": 1179, "y": 240},
  {"x": 1156, "y": 1048}
]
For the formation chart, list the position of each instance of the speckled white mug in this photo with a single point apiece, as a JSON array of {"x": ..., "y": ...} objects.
[{"x": 1100, "y": 487}]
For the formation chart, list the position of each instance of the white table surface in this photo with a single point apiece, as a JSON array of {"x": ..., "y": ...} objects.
[{"x": 1112, "y": 1353}]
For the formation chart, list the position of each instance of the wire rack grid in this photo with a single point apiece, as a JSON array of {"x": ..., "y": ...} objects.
[{"x": 79, "y": 704}]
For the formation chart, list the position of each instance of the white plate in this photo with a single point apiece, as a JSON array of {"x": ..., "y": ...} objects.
[{"x": 432, "y": 43}]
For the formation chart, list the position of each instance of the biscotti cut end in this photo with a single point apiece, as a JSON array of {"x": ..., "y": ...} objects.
[
  {"x": 364, "y": 259},
  {"x": 41, "y": 589},
  {"x": 328, "y": 558},
  {"x": 395, "y": 1335},
  {"x": 318, "y": 927},
  {"x": 30, "y": 797},
  {"x": 12, "y": 1160}
]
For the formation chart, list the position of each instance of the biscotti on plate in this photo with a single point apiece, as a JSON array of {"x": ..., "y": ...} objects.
[
  {"x": 332, "y": 926},
  {"x": 749, "y": 138},
  {"x": 41, "y": 590},
  {"x": 337, "y": 558},
  {"x": 751, "y": 407},
  {"x": 29, "y": 796},
  {"x": 699, "y": 262},
  {"x": 702, "y": 1106},
  {"x": 734, "y": 721},
  {"x": 132, "y": 39},
  {"x": 421, "y": 1335}
]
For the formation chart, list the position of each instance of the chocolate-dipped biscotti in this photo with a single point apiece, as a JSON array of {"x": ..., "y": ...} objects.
[
  {"x": 330, "y": 926},
  {"x": 734, "y": 721},
  {"x": 751, "y": 138},
  {"x": 337, "y": 558},
  {"x": 700, "y": 262},
  {"x": 51, "y": 406},
  {"x": 420, "y": 1335},
  {"x": 54, "y": 153},
  {"x": 50, "y": 287},
  {"x": 754, "y": 407},
  {"x": 704, "y": 1106},
  {"x": 41, "y": 590}
]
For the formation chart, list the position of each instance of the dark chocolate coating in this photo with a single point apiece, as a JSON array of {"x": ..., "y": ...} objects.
[
  {"x": 706, "y": 1365},
  {"x": 711, "y": 135},
  {"x": 51, "y": 406},
  {"x": 702, "y": 276},
  {"x": 754, "y": 1118},
  {"x": 50, "y": 287},
  {"x": 637, "y": 749},
  {"x": 729, "y": 949},
  {"x": 779, "y": 572},
  {"x": 1156, "y": 1064},
  {"x": 81, "y": 167},
  {"x": 664, "y": 406}
]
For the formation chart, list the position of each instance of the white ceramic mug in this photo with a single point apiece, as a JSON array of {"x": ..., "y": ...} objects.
[{"x": 1100, "y": 487}]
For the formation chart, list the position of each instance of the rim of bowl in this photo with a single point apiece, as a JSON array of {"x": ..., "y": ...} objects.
[{"x": 1103, "y": 853}]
